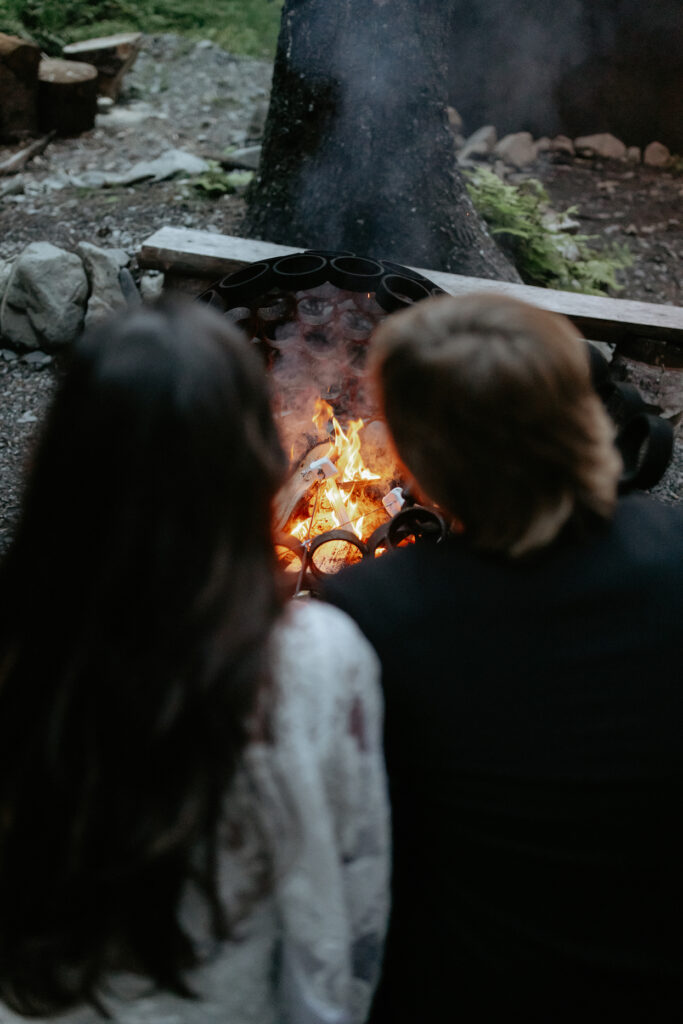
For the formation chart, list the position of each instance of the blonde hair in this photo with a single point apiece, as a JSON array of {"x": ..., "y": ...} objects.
[{"x": 492, "y": 409}]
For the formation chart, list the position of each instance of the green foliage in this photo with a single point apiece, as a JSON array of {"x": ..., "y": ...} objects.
[
  {"x": 217, "y": 182},
  {"x": 544, "y": 251},
  {"x": 240, "y": 26}
]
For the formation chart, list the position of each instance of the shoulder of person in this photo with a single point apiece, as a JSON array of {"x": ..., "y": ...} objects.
[{"x": 323, "y": 666}]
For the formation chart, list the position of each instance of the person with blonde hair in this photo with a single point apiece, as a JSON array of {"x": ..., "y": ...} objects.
[{"x": 532, "y": 679}]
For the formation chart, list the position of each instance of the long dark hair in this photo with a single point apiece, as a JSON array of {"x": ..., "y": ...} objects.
[{"x": 135, "y": 604}]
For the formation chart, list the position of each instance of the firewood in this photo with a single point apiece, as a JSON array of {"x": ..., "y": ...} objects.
[
  {"x": 19, "y": 62},
  {"x": 18, "y": 161},
  {"x": 68, "y": 96},
  {"x": 113, "y": 56},
  {"x": 299, "y": 483}
]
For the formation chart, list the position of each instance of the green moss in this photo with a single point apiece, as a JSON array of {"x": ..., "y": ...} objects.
[{"x": 549, "y": 256}]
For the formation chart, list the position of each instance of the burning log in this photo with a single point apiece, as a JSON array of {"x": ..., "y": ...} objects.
[
  {"x": 113, "y": 56},
  {"x": 68, "y": 95},
  {"x": 19, "y": 62},
  {"x": 298, "y": 485}
]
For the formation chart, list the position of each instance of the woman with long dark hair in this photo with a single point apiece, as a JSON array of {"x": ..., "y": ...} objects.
[{"x": 192, "y": 807}]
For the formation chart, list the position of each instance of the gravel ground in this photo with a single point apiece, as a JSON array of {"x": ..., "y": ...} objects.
[{"x": 194, "y": 96}]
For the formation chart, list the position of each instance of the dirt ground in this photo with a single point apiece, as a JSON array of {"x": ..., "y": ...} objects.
[{"x": 196, "y": 97}]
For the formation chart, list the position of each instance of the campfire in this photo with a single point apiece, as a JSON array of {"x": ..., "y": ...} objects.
[{"x": 311, "y": 316}]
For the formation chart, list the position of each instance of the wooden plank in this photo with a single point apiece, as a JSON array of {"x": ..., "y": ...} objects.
[{"x": 204, "y": 254}]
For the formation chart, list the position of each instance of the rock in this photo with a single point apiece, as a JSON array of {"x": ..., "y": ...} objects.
[
  {"x": 8, "y": 355},
  {"x": 171, "y": 163},
  {"x": 603, "y": 145},
  {"x": 480, "y": 144},
  {"x": 518, "y": 149},
  {"x": 12, "y": 187},
  {"x": 543, "y": 144},
  {"x": 151, "y": 285},
  {"x": 562, "y": 144},
  {"x": 67, "y": 97},
  {"x": 633, "y": 154},
  {"x": 104, "y": 104},
  {"x": 27, "y": 417},
  {"x": 38, "y": 360},
  {"x": 247, "y": 157},
  {"x": 19, "y": 62},
  {"x": 5, "y": 271},
  {"x": 656, "y": 155},
  {"x": 44, "y": 301},
  {"x": 454, "y": 119},
  {"x": 113, "y": 56},
  {"x": 102, "y": 268}
]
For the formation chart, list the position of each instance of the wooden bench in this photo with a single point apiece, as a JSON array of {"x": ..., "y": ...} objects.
[{"x": 202, "y": 255}]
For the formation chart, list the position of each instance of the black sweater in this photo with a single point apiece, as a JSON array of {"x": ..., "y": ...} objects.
[{"x": 534, "y": 743}]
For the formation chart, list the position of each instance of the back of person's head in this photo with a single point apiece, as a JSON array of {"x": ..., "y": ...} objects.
[
  {"x": 492, "y": 410},
  {"x": 135, "y": 604}
]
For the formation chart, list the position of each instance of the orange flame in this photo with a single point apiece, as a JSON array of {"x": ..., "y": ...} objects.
[{"x": 335, "y": 506}]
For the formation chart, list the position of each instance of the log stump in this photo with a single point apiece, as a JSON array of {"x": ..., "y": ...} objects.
[
  {"x": 68, "y": 96},
  {"x": 19, "y": 62},
  {"x": 113, "y": 56}
]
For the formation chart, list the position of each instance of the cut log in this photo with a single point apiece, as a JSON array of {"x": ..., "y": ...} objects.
[
  {"x": 68, "y": 96},
  {"x": 19, "y": 62},
  {"x": 113, "y": 56},
  {"x": 205, "y": 254}
]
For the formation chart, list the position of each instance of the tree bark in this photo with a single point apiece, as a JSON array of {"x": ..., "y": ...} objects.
[
  {"x": 357, "y": 150},
  {"x": 19, "y": 61},
  {"x": 68, "y": 96}
]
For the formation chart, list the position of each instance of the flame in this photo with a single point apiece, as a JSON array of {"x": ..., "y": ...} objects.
[{"x": 336, "y": 506}]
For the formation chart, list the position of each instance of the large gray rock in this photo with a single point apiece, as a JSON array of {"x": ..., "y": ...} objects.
[
  {"x": 102, "y": 268},
  {"x": 44, "y": 301},
  {"x": 5, "y": 271}
]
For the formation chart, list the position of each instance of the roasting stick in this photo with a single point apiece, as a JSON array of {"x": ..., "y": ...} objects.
[{"x": 307, "y": 541}]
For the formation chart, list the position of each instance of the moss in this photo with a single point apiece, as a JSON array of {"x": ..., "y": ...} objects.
[{"x": 544, "y": 255}]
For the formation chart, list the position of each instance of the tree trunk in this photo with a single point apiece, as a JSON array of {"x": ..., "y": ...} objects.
[
  {"x": 357, "y": 151},
  {"x": 68, "y": 96},
  {"x": 18, "y": 88}
]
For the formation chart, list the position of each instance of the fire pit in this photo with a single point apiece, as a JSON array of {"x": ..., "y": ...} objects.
[{"x": 311, "y": 316}]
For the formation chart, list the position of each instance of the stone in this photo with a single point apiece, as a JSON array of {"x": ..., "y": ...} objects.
[
  {"x": 38, "y": 360},
  {"x": 27, "y": 417},
  {"x": 170, "y": 164},
  {"x": 19, "y": 62},
  {"x": 102, "y": 267},
  {"x": 543, "y": 144},
  {"x": 562, "y": 144},
  {"x": 5, "y": 271},
  {"x": 44, "y": 301},
  {"x": 8, "y": 355},
  {"x": 602, "y": 145},
  {"x": 480, "y": 144},
  {"x": 633, "y": 154},
  {"x": 517, "y": 149},
  {"x": 656, "y": 155},
  {"x": 113, "y": 56},
  {"x": 151, "y": 285}
]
